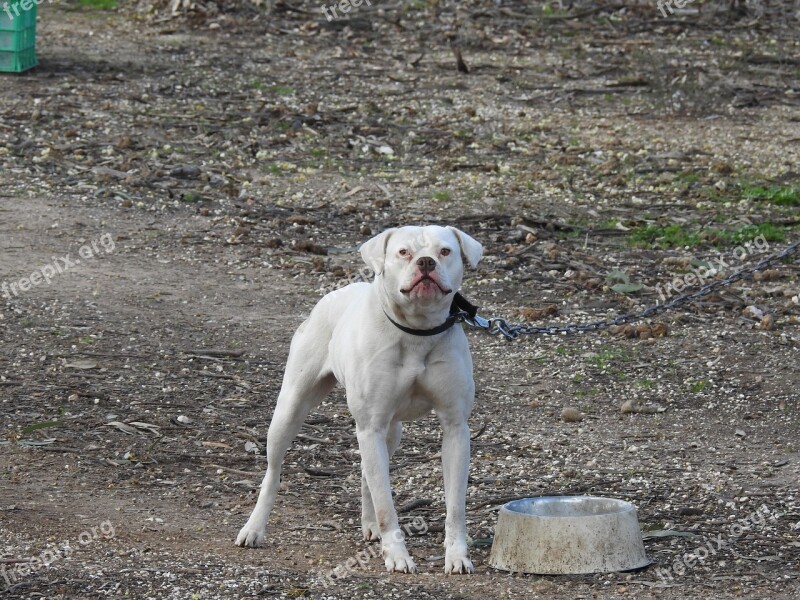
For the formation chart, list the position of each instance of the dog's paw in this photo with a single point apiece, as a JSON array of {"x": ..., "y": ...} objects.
[
  {"x": 396, "y": 558},
  {"x": 370, "y": 532},
  {"x": 250, "y": 537},
  {"x": 401, "y": 564},
  {"x": 458, "y": 563}
]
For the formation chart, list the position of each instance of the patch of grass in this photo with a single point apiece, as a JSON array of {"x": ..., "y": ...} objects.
[
  {"x": 647, "y": 384},
  {"x": 98, "y": 4},
  {"x": 317, "y": 152},
  {"x": 687, "y": 178},
  {"x": 281, "y": 90},
  {"x": 608, "y": 224},
  {"x": 671, "y": 236},
  {"x": 418, "y": 5},
  {"x": 191, "y": 197},
  {"x": 721, "y": 237},
  {"x": 698, "y": 386},
  {"x": 781, "y": 195},
  {"x": 678, "y": 236},
  {"x": 42, "y": 425},
  {"x": 548, "y": 10},
  {"x": 604, "y": 358},
  {"x": 442, "y": 196},
  {"x": 776, "y": 194},
  {"x": 771, "y": 233}
]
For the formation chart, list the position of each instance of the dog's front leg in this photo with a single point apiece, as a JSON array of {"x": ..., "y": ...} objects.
[
  {"x": 455, "y": 467},
  {"x": 369, "y": 524},
  {"x": 375, "y": 468}
]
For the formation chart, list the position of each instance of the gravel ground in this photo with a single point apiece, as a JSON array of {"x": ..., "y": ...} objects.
[{"x": 215, "y": 180}]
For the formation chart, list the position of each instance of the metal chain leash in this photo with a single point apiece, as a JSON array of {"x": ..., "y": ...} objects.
[{"x": 512, "y": 331}]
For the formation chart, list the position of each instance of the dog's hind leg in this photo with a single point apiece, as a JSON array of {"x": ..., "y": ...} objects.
[
  {"x": 305, "y": 385},
  {"x": 369, "y": 523}
]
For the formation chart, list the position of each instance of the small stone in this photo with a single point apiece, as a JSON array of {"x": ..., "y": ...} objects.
[
  {"x": 753, "y": 312},
  {"x": 186, "y": 172},
  {"x": 690, "y": 511},
  {"x": 571, "y": 415}
]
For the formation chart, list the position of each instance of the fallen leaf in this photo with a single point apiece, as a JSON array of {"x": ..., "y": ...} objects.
[
  {"x": 215, "y": 445},
  {"x": 123, "y": 427},
  {"x": 43, "y": 425},
  {"x": 82, "y": 364},
  {"x": 146, "y": 427},
  {"x": 662, "y": 533},
  {"x": 626, "y": 288}
]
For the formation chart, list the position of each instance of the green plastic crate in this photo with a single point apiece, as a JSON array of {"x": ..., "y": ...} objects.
[{"x": 18, "y": 36}]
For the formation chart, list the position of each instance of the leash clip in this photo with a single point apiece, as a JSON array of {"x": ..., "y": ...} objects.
[{"x": 476, "y": 321}]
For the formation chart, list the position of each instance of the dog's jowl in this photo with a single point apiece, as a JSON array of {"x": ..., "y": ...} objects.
[{"x": 391, "y": 344}]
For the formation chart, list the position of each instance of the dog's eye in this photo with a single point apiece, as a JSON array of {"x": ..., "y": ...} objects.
[
  {"x": 445, "y": 252},
  {"x": 403, "y": 252}
]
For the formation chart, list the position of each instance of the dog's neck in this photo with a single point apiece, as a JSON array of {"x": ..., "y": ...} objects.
[{"x": 412, "y": 316}]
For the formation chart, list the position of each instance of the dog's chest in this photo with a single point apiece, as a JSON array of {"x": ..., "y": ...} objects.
[
  {"x": 413, "y": 387},
  {"x": 393, "y": 378}
]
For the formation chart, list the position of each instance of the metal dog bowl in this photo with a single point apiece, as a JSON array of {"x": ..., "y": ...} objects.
[{"x": 556, "y": 535}]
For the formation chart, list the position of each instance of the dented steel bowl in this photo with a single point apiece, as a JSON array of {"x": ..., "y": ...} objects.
[{"x": 556, "y": 535}]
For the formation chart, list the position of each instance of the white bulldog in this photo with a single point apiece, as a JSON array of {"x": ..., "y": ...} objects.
[{"x": 390, "y": 344}]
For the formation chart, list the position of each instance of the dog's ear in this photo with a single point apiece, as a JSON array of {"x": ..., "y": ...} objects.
[
  {"x": 471, "y": 249},
  {"x": 373, "y": 251}
]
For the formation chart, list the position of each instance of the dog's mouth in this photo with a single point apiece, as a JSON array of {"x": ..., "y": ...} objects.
[{"x": 426, "y": 281}]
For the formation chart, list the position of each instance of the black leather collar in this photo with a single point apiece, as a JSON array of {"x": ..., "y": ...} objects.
[{"x": 459, "y": 309}]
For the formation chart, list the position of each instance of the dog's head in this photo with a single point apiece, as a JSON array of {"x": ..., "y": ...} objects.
[{"x": 421, "y": 266}]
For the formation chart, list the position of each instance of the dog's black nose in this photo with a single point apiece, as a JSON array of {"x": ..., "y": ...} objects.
[{"x": 426, "y": 264}]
